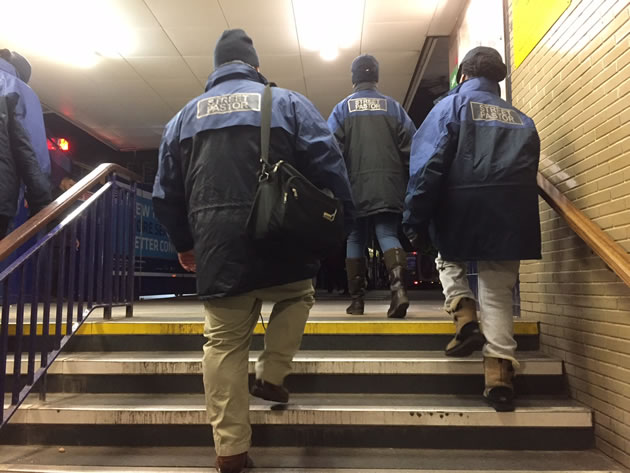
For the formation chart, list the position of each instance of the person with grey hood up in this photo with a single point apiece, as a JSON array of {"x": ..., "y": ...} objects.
[{"x": 473, "y": 184}]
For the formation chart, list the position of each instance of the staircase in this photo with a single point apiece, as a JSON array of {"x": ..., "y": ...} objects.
[{"x": 367, "y": 394}]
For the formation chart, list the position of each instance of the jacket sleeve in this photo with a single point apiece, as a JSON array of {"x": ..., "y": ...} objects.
[
  {"x": 335, "y": 124},
  {"x": 169, "y": 197},
  {"x": 36, "y": 182},
  {"x": 432, "y": 151},
  {"x": 406, "y": 131},
  {"x": 319, "y": 157}
]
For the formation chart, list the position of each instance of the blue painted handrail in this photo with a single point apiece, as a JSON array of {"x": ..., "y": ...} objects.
[{"x": 89, "y": 257}]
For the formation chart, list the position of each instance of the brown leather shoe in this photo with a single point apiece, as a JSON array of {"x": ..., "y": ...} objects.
[
  {"x": 269, "y": 392},
  {"x": 233, "y": 463}
]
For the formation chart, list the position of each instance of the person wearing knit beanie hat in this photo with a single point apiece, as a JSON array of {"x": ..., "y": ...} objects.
[
  {"x": 235, "y": 45},
  {"x": 364, "y": 69},
  {"x": 482, "y": 61}
]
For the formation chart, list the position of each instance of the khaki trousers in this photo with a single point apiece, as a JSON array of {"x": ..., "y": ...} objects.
[
  {"x": 495, "y": 283},
  {"x": 229, "y": 326}
]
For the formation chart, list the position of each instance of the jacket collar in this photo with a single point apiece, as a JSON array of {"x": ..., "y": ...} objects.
[
  {"x": 6, "y": 66},
  {"x": 477, "y": 84},
  {"x": 234, "y": 70},
  {"x": 364, "y": 86}
]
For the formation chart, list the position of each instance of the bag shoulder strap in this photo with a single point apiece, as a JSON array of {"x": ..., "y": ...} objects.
[{"x": 265, "y": 125}]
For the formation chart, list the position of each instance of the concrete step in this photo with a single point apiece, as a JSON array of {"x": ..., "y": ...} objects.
[
  {"x": 319, "y": 371},
  {"x": 430, "y": 421},
  {"x": 45, "y": 459},
  {"x": 305, "y": 362}
]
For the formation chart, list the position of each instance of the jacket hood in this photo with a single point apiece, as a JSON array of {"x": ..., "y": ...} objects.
[
  {"x": 234, "y": 70},
  {"x": 6, "y": 66},
  {"x": 477, "y": 83}
]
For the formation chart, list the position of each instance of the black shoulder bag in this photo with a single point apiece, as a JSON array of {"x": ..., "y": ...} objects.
[{"x": 288, "y": 210}]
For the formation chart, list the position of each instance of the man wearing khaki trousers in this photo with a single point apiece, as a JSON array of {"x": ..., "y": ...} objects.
[{"x": 208, "y": 167}]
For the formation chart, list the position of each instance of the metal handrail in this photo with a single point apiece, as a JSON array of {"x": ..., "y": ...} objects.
[
  {"x": 89, "y": 256},
  {"x": 617, "y": 259},
  {"x": 55, "y": 209}
]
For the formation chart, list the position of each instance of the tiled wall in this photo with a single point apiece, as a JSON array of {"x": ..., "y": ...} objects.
[{"x": 576, "y": 86}]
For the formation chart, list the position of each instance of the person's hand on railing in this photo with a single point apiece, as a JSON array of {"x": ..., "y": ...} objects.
[{"x": 187, "y": 260}]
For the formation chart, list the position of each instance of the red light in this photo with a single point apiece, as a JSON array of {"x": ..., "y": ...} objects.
[
  {"x": 414, "y": 253},
  {"x": 63, "y": 144},
  {"x": 415, "y": 283}
]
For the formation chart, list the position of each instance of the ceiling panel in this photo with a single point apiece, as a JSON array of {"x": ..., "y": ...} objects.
[
  {"x": 446, "y": 15},
  {"x": 273, "y": 66},
  {"x": 315, "y": 66},
  {"x": 403, "y": 62},
  {"x": 126, "y": 101},
  {"x": 161, "y": 67},
  {"x": 378, "y": 11},
  {"x": 188, "y": 13},
  {"x": 201, "y": 66},
  {"x": 249, "y": 14},
  {"x": 152, "y": 42},
  {"x": 394, "y": 36}
]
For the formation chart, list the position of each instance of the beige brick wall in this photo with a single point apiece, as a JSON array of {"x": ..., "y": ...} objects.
[{"x": 576, "y": 87}]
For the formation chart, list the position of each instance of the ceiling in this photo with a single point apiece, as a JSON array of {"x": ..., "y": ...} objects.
[{"x": 125, "y": 99}]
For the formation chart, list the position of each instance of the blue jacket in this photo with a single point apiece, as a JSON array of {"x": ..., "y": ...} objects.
[
  {"x": 374, "y": 133},
  {"x": 23, "y": 150},
  {"x": 209, "y": 159},
  {"x": 473, "y": 177}
]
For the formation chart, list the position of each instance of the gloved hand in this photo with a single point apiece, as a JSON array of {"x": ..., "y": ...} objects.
[{"x": 413, "y": 236}]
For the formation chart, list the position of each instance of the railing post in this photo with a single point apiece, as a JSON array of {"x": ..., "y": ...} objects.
[
  {"x": 92, "y": 261},
  {"x": 61, "y": 239},
  {"x": 33, "y": 324},
  {"x": 19, "y": 335},
  {"x": 131, "y": 270},
  {"x": 4, "y": 340},
  {"x": 109, "y": 248},
  {"x": 72, "y": 248}
]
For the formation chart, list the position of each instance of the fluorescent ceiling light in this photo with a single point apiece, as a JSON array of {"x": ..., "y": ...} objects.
[
  {"x": 74, "y": 32},
  {"x": 328, "y": 25}
]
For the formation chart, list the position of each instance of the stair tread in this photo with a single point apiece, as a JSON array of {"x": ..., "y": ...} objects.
[
  {"x": 305, "y": 362},
  {"x": 305, "y": 409},
  {"x": 46, "y": 459}
]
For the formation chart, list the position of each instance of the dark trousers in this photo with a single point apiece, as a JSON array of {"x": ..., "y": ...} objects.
[{"x": 4, "y": 225}]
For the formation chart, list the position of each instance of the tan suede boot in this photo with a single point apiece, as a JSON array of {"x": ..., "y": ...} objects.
[
  {"x": 468, "y": 337},
  {"x": 356, "y": 267},
  {"x": 499, "y": 390}
]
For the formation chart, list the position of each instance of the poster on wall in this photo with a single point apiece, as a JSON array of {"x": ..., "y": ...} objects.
[{"x": 531, "y": 20}]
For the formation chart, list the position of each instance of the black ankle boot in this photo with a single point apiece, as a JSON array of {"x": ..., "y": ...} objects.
[
  {"x": 355, "y": 267},
  {"x": 396, "y": 263}
]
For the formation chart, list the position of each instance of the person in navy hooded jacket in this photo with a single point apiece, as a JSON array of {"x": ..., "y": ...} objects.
[
  {"x": 209, "y": 161},
  {"x": 473, "y": 172},
  {"x": 23, "y": 150},
  {"x": 374, "y": 133}
]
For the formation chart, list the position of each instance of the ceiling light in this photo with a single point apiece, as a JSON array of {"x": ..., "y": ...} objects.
[
  {"x": 74, "y": 32},
  {"x": 328, "y": 25}
]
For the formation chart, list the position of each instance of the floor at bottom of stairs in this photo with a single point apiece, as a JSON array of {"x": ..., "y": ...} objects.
[{"x": 46, "y": 459}]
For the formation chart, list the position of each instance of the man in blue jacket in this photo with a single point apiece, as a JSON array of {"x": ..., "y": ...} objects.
[
  {"x": 23, "y": 150},
  {"x": 209, "y": 159},
  {"x": 473, "y": 184},
  {"x": 374, "y": 133}
]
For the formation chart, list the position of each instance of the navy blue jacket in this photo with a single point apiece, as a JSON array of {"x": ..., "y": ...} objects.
[
  {"x": 209, "y": 159},
  {"x": 23, "y": 150},
  {"x": 473, "y": 177},
  {"x": 374, "y": 133}
]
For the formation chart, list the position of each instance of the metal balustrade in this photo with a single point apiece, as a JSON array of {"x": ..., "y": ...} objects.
[{"x": 83, "y": 263}]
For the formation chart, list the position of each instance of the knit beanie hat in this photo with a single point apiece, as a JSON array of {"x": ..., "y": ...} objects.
[
  {"x": 483, "y": 62},
  {"x": 19, "y": 62},
  {"x": 235, "y": 45},
  {"x": 364, "y": 69}
]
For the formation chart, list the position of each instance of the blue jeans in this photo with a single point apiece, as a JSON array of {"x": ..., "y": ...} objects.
[{"x": 386, "y": 227}]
